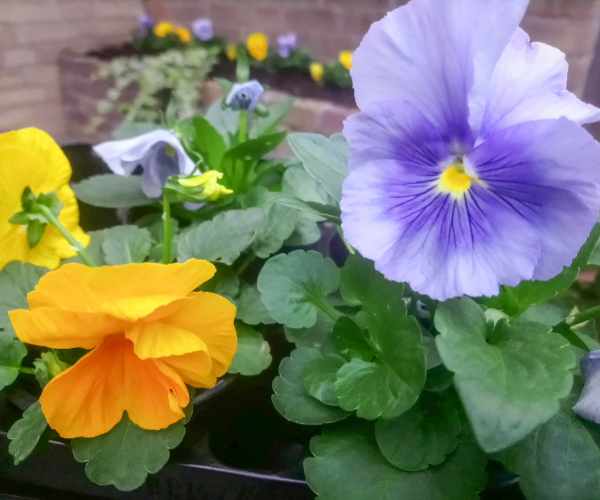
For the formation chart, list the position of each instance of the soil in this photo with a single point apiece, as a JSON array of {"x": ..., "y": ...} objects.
[{"x": 293, "y": 82}]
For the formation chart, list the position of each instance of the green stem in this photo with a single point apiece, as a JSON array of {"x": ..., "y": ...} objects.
[
  {"x": 245, "y": 263},
  {"x": 167, "y": 250},
  {"x": 326, "y": 308},
  {"x": 582, "y": 317},
  {"x": 28, "y": 371},
  {"x": 52, "y": 219},
  {"x": 243, "y": 132}
]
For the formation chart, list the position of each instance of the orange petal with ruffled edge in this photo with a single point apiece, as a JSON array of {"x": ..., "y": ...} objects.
[
  {"x": 195, "y": 369},
  {"x": 89, "y": 398},
  {"x": 207, "y": 316},
  {"x": 130, "y": 292},
  {"x": 50, "y": 327},
  {"x": 157, "y": 339}
]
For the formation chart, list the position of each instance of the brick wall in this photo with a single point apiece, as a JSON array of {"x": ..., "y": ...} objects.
[
  {"x": 32, "y": 34},
  {"x": 328, "y": 26}
]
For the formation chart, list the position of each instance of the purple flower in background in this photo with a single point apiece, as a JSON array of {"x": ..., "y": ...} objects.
[
  {"x": 588, "y": 406},
  {"x": 469, "y": 168},
  {"x": 286, "y": 44},
  {"x": 146, "y": 23},
  {"x": 203, "y": 29},
  {"x": 245, "y": 96},
  {"x": 159, "y": 154}
]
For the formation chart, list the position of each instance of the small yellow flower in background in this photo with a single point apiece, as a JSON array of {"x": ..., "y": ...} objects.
[
  {"x": 210, "y": 190},
  {"x": 184, "y": 34},
  {"x": 148, "y": 332},
  {"x": 163, "y": 29},
  {"x": 231, "y": 51},
  {"x": 29, "y": 158},
  {"x": 317, "y": 71},
  {"x": 258, "y": 46},
  {"x": 345, "y": 59}
]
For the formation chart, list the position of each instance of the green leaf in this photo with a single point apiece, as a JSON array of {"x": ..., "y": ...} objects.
[
  {"x": 294, "y": 286},
  {"x": 126, "y": 455},
  {"x": 112, "y": 191},
  {"x": 424, "y": 436},
  {"x": 306, "y": 232},
  {"x": 12, "y": 353},
  {"x": 516, "y": 300},
  {"x": 319, "y": 378},
  {"x": 290, "y": 397},
  {"x": 391, "y": 383},
  {"x": 267, "y": 124},
  {"x": 348, "y": 465},
  {"x": 277, "y": 227},
  {"x": 299, "y": 184},
  {"x": 251, "y": 310},
  {"x": 126, "y": 244},
  {"x": 510, "y": 382},
  {"x": 224, "y": 282},
  {"x": 222, "y": 239},
  {"x": 251, "y": 151},
  {"x": 225, "y": 120},
  {"x": 35, "y": 232},
  {"x": 351, "y": 340},
  {"x": 360, "y": 282},
  {"x": 324, "y": 159},
  {"x": 315, "y": 211},
  {"x": 315, "y": 336},
  {"x": 200, "y": 136},
  {"x": 17, "y": 279},
  {"x": 25, "y": 433},
  {"x": 559, "y": 460},
  {"x": 253, "y": 354}
]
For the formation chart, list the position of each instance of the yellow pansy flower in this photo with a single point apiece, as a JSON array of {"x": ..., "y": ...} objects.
[
  {"x": 29, "y": 158},
  {"x": 208, "y": 185},
  {"x": 258, "y": 46},
  {"x": 345, "y": 59},
  {"x": 164, "y": 29},
  {"x": 231, "y": 51},
  {"x": 184, "y": 34},
  {"x": 317, "y": 71},
  {"x": 149, "y": 334}
]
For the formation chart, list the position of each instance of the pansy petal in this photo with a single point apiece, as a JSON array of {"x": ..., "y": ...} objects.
[
  {"x": 551, "y": 175},
  {"x": 89, "y": 398},
  {"x": 123, "y": 156},
  {"x": 588, "y": 405},
  {"x": 58, "y": 329},
  {"x": 211, "y": 317},
  {"x": 156, "y": 340},
  {"x": 195, "y": 369},
  {"x": 530, "y": 83},
  {"x": 130, "y": 291},
  {"x": 434, "y": 54}
]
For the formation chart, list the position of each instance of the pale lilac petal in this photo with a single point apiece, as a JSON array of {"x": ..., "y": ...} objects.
[
  {"x": 245, "y": 96},
  {"x": 530, "y": 83},
  {"x": 434, "y": 54},
  {"x": 203, "y": 29},
  {"x": 122, "y": 157},
  {"x": 549, "y": 171},
  {"x": 588, "y": 405}
]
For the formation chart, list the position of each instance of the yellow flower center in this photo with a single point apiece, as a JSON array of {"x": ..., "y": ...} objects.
[{"x": 455, "y": 180}]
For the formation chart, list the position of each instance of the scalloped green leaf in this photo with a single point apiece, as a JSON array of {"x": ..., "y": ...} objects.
[
  {"x": 112, "y": 191},
  {"x": 25, "y": 433},
  {"x": 253, "y": 354},
  {"x": 510, "y": 377},
  {"x": 126, "y": 455},
  {"x": 348, "y": 465},
  {"x": 126, "y": 244}
]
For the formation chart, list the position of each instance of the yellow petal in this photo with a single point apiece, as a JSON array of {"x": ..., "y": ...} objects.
[
  {"x": 157, "y": 340},
  {"x": 51, "y": 327},
  {"x": 129, "y": 292},
  {"x": 210, "y": 317},
  {"x": 31, "y": 158},
  {"x": 195, "y": 369},
  {"x": 89, "y": 398}
]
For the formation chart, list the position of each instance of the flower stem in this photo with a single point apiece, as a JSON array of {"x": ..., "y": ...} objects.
[
  {"x": 582, "y": 317},
  {"x": 167, "y": 250},
  {"x": 243, "y": 132},
  {"x": 52, "y": 219},
  {"x": 27, "y": 371}
]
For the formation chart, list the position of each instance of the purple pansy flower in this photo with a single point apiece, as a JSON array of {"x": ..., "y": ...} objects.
[
  {"x": 286, "y": 44},
  {"x": 203, "y": 29},
  {"x": 469, "y": 168},
  {"x": 159, "y": 154},
  {"x": 588, "y": 406},
  {"x": 146, "y": 23},
  {"x": 245, "y": 96}
]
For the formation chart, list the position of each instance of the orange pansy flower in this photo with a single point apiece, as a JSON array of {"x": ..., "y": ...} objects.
[{"x": 149, "y": 333}]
